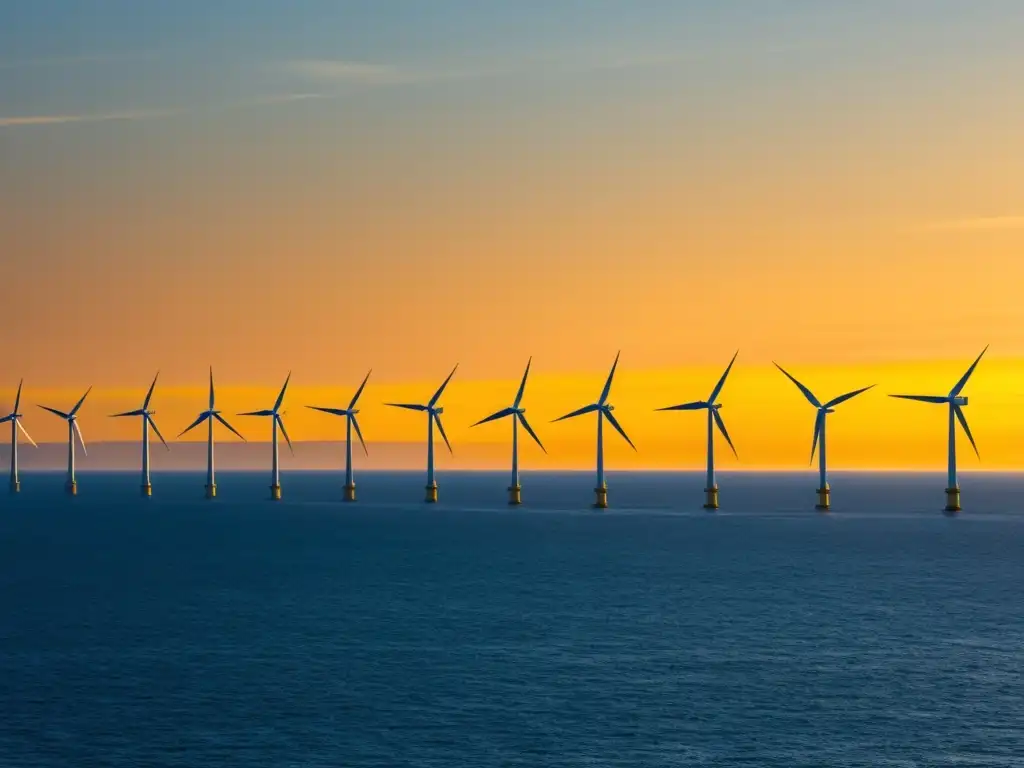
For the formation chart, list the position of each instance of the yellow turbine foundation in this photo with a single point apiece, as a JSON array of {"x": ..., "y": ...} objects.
[
  {"x": 824, "y": 499},
  {"x": 71, "y": 487},
  {"x": 350, "y": 492},
  {"x": 147, "y": 489},
  {"x": 431, "y": 497},
  {"x": 15, "y": 486},
  {"x": 601, "y": 497},
  {"x": 515, "y": 494},
  {"x": 275, "y": 492},
  {"x": 711, "y": 497},
  {"x": 211, "y": 491},
  {"x": 953, "y": 499}
]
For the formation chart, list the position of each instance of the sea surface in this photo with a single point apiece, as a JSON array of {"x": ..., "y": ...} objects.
[{"x": 174, "y": 631}]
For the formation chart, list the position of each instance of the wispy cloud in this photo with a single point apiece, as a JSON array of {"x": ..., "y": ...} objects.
[
  {"x": 22, "y": 121},
  {"x": 28, "y": 121},
  {"x": 356, "y": 72},
  {"x": 978, "y": 224},
  {"x": 581, "y": 61}
]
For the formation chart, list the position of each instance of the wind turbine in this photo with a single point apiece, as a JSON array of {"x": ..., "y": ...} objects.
[
  {"x": 714, "y": 418},
  {"x": 824, "y": 491},
  {"x": 433, "y": 411},
  {"x": 518, "y": 415},
  {"x": 276, "y": 421},
  {"x": 956, "y": 403},
  {"x": 350, "y": 422},
  {"x": 604, "y": 411},
  {"x": 73, "y": 429},
  {"x": 147, "y": 422},
  {"x": 15, "y": 418},
  {"x": 210, "y": 415}
]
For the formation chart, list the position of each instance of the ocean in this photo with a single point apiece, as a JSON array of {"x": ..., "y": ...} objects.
[{"x": 174, "y": 631}]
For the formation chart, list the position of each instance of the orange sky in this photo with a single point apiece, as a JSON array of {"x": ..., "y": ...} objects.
[{"x": 850, "y": 207}]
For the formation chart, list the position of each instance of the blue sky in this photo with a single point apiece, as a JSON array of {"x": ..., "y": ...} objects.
[{"x": 77, "y": 57}]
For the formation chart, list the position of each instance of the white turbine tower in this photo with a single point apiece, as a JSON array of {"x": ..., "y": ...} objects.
[
  {"x": 276, "y": 422},
  {"x": 956, "y": 403},
  {"x": 350, "y": 422},
  {"x": 433, "y": 411},
  {"x": 604, "y": 411},
  {"x": 15, "y": 418},
  {"x": 714, "y": 418},
  {"x": 147, "y": 422},
  {"x": 824, "y": 491},
  {"x": 73, "y": 429},
  {"x": 518, "y": 415},
  {"x": 210, "y": 415}
]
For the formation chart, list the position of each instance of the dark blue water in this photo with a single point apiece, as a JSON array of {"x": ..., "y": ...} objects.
[{"x": 177, "y": 632}]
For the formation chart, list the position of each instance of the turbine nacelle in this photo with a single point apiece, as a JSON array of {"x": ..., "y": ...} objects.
[{"x": 961, "y": 400}]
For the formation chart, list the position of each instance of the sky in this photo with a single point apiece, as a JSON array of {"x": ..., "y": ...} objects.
[{"x": 329, "y": 187}]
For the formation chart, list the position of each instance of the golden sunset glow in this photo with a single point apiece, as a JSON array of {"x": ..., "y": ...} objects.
[{"x": 841, "y": 208}]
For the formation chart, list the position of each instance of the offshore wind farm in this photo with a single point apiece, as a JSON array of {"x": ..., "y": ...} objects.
[{"x": 516, "y": 413}]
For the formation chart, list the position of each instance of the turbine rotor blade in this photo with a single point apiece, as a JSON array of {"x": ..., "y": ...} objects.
[
  {"x": 17, "y": 397},
  {"x": 25, "y": 432},
  {"x": 963, "y": 380},
  {"x": 924, "y": 398},
  {"x": 79, "y": 403},
  {"x": 359, "y": 434},
  {"x": 522, "y": 385},
  {"x": 332, "y": 411},
  {"x": 265, "y": 412},
  {"x": 694, "y": 406},
  {"x": 579, "y": 412},
  {"x": 725, "y": 433},
  {"x": 355, "y": 397},
  {"x": 280, "y": 397},
  {"x": 8, "y": 417},
  {"x": 223, "y": 421},
  {"x": 202, "y": 417},
  {"x": 526, "y": 426},
  {"x": 967, "y": 430},
  {"x": 818, "y": 421},
  {"x": 155, "y": 429},
  {"x": 440, "y": 390},
  {"x": 614, "y": 423},
  {"x": 440, "y": 428},
  {"x": 499, "y": 415},
  {"x": 127, "y": 413},
  {"x": 807, "y": 393},
  {"x": 721, "y": 382},
  {"x": 149, "y": 394},
  {"x": 78, "y": 431},
  {"x": 211, "y": 387},
  {"x": 408, "y": 406},
  {"x": 63, "y": 415},
  {"x": 280, "y": 423},
  {"x": 843, "y": 398},
  {"x": 608, "y": 382}
]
